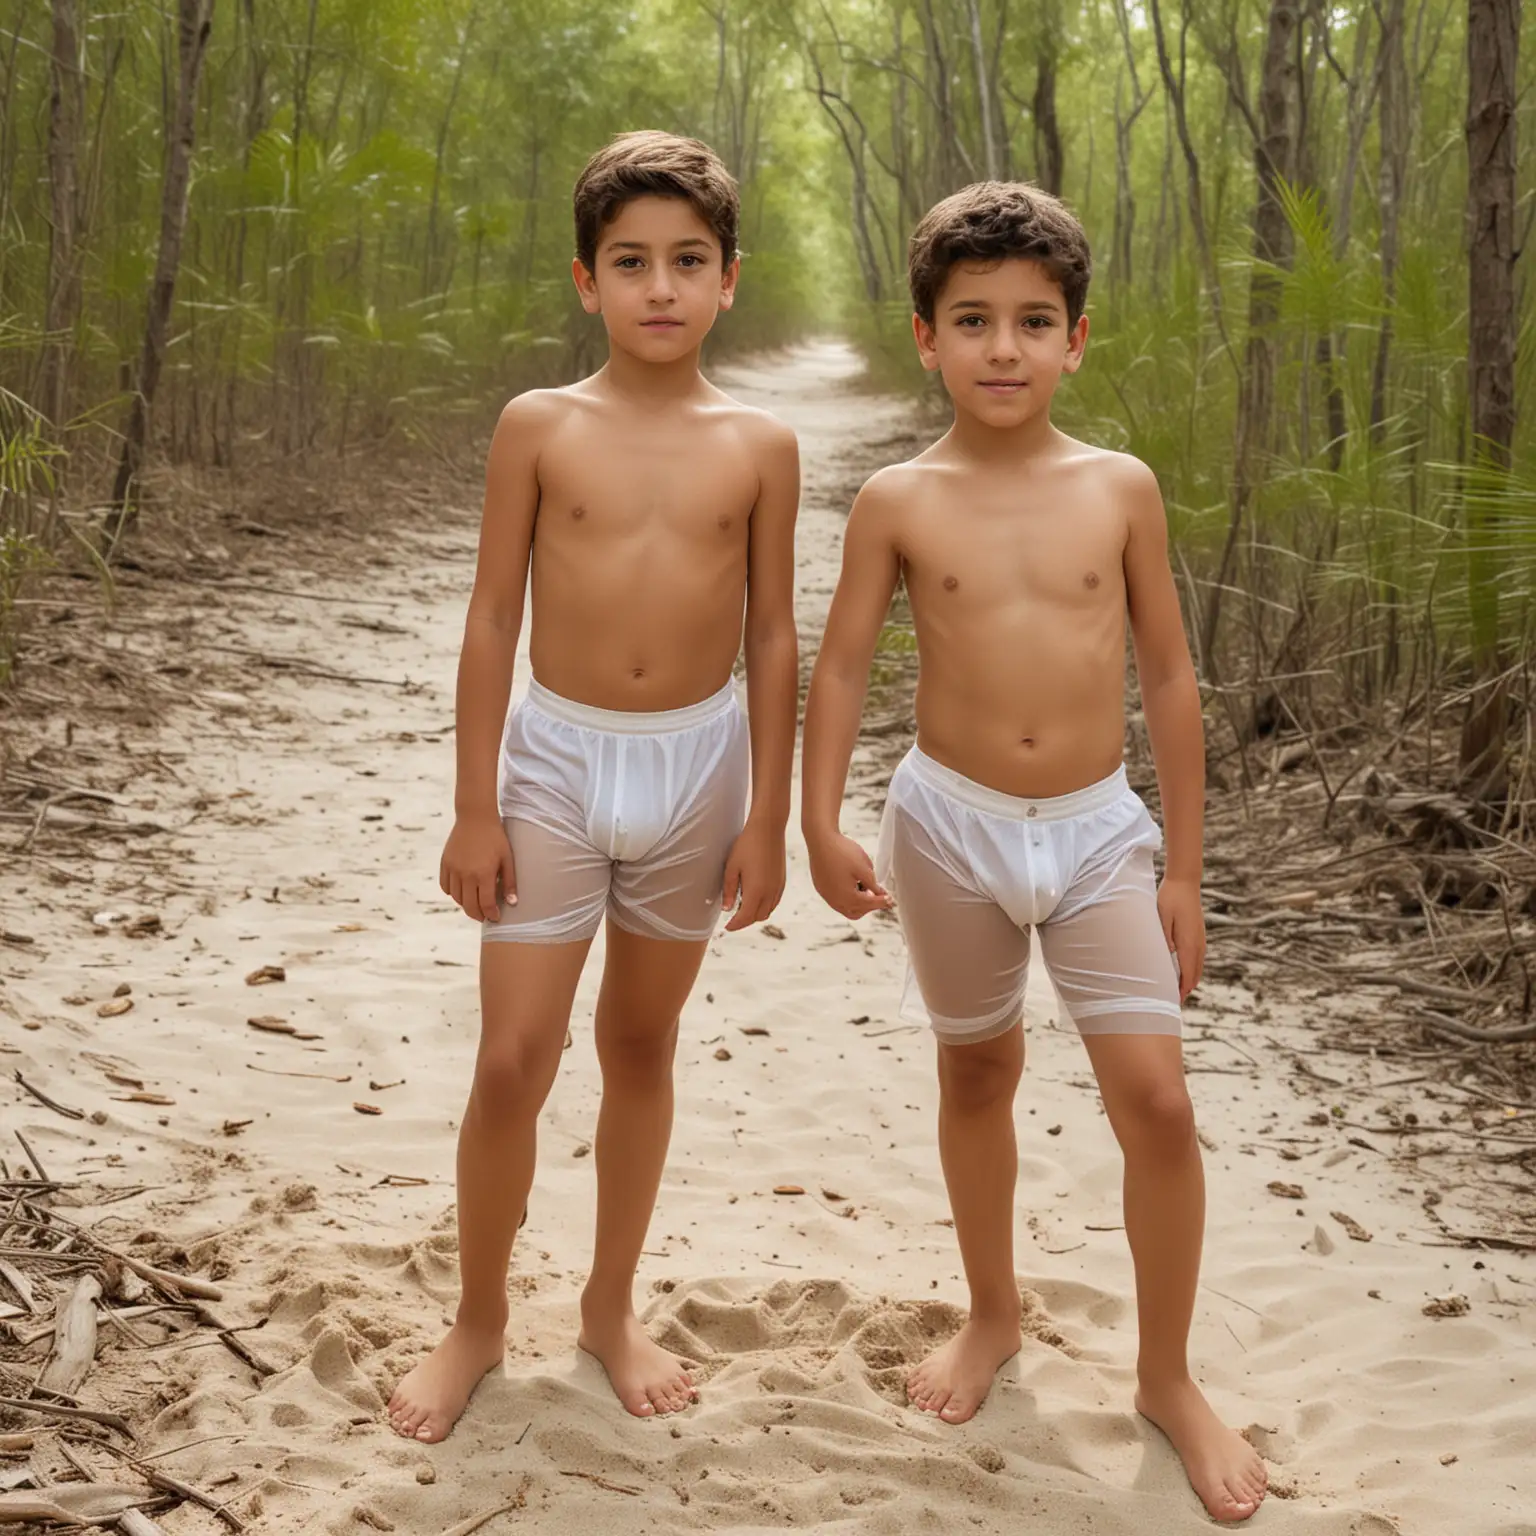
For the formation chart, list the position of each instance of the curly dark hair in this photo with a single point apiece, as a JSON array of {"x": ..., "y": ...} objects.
[
  {"x": 992, "y": 221},
  {"x": 651, "y": 163}
]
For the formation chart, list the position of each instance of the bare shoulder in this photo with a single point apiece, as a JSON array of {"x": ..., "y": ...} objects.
[
  {"x": 767, "y": 437},
  {"x": 538, "y": 411},
  {"x": 1121, "y": 474}
]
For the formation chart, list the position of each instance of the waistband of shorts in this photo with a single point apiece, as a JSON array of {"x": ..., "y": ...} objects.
[
  {"x": 979, "y": 797},
  {"x": 625, "y": 722}
]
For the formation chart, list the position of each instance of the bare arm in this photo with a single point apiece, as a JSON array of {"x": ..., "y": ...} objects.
[
  {"x": 1170, "y": 698},
  {"x": 485, "y": 662},
  {"x": 836, "y": 703},
  {"x": 755, "y": 868}
]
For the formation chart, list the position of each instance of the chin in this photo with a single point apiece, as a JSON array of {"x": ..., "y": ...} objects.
[{"x": 664, "y": 346}]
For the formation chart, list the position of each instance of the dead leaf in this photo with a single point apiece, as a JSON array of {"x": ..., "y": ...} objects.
[
  {"x": 122, "y": 989},
  {"x": 367, "y": 1109},
  {"x": 832, "y": 1194},
  {"x": 753, "y": 1029},
  {"x": 1454, "y": 1305},
  {"x": 141, "y": 927},
  {"x": 772, "y": 931},
  {"x": 350, "y": 928},
  {"x": 271, "y": 1024},
  {"x": 581, "y": 1149},
  {"x": 234, "y": 1127},
  {"x": 722, "y": 1054},
  {"x": 124, "y": 1082},
  {"x": 1286, "y": 1191},
  {"x": 117, "y": 1007},
  {"x": 789, "y": 1189},
  {"x": 1351, "y": 1226},
  {"x": 263, "y": 974},
  {"x": 141, "y": 1098},
  {"x": 75, "y": 1000}
]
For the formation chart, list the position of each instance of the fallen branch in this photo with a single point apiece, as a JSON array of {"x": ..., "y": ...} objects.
[
  {"x": 53, "y": 1104},
  {"x": 71, "y": 1503},
  {"x": 74, "y": 1341},
  {"x": 1442, "y": 1024},
  {"x": 59, "y": 1411}
]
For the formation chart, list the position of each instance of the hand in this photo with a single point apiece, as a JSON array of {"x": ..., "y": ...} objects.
[
  {"x": 754, "y": 875},
  {"x": 844, "y": 876},
  {"x": 1178, "y": 905},
  {"x": 477, "y": 852}
]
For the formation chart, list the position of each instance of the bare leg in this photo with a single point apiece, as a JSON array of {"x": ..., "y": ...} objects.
[
  {"x": 645, "y": 984},
  {"x": 526, "y": 991},
  {"x": 981, "y": 1166},
  {"x": 1141, "y": 1078}
]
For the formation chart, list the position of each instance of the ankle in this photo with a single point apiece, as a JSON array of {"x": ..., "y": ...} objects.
[
  {"x": 607, "y": 1302},
  {"x": 996, "y": 1316},
  {"x": 488, "y": 1323},
  {"x": 1159, "y": 1379}
]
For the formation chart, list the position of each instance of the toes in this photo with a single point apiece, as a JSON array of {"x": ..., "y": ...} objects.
[
  {"x": 432, "y": 1431},
  {"x": 638, "y": 1404},
  {"x": 957, "y": 1411},
  {"x": 938, "y": 1401}
]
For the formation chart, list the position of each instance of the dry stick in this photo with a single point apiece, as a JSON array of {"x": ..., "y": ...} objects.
[
  {"x": 70, "y": 1504},
  {"x": 19, "y": 1283},
  {"x": 32, "y": 1157},
  {"x": 74, "y": 1341},
  {"x": 135, "y": 1522},
  {"x": 53, "y": 1104},
  {"x": 16, "y": 1442},
  {"x": 602, "y": 1482},
  {"x": 464, "y": 1527},
  {"x": 1441, "y": 1024},
  {"x": 168, "y": 1484},
  {"x": 58, "y": 1411}
]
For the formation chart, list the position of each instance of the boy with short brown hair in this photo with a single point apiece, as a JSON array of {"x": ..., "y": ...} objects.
[
  {"x": 1023, "y": 553},
  {"x": 656, "y": 516}
]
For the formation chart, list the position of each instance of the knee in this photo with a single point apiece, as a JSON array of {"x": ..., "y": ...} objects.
[
  {"x": 510, "y": 1077},
  {"x": 1158, "y": 1121},
  {"x": 638, "y": 1052},
  {"x": 973, "y": 1078}
]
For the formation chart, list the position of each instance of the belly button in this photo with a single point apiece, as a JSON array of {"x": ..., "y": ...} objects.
[{"x": 637, "y": 673}]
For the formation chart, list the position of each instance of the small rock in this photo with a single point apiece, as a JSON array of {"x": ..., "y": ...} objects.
[
  {"x": 722, "y": 1054},
  {"x": 789, "y": 1189},
  {"x": 114, "y": 1009},
  {"x": 264, "y": 974},
  {"x": 581, "y": 1149},
  {"x": 772, "y": 931},
  {"x": 1449, "y": 1459},
  {"x": 426, "y": 1476},
  {"x": 1053, "y": 1130},
  {"x": 987, "y": 1457},
  {"x": 122, "y": 989}
]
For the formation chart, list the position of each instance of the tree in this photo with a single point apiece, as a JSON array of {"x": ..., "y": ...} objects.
[{"x": 195, "y": 19}]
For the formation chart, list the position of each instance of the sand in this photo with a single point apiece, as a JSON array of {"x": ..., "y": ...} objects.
[{"x": 308, "y": 815}]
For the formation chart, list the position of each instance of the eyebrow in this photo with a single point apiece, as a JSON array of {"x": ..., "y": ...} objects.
[
  {"x": 1039, "y": 304},
  {"x": 640, "y": 245}
]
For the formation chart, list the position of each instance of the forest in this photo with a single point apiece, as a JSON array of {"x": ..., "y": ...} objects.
[{"x": 233, "y": 230}]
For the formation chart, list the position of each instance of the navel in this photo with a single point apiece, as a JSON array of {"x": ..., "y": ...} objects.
[
  {"x": 951, "y": 582},
  {"x": 637, "y": 673}
]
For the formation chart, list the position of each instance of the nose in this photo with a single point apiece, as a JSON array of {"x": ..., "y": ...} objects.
[
  {"x": 662, "y": 288},
  {"x": 1003, "y": 345}
]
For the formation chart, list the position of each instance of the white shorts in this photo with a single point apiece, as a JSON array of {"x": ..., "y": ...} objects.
[
  {"x": 973, "y": 870},
  {"x": 632, "y": 814}
]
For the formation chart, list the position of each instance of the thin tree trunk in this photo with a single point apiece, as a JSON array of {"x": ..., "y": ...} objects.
[
  {"x": 1049, "y": 155},
  {"x": 1393, "y": 124},
  {"x": 983, "y": 93},
  {"x": 1274, "y": 157},
  {"x": 195, "y": 22},
  {"x": 66, "y": 112},
  {"x": 1493, "y": 43},
  {"x": 429, "y": 263}
]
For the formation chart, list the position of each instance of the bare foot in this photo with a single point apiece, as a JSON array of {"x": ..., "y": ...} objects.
[
  {"x": 955, "y": 1379},
  {"x": 428, "y": 1402},
  {"x": 645, "y": 1378},
  {"x": 1226, "y": 1472}
]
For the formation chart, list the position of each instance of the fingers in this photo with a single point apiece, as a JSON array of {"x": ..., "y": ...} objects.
[
  {"x": 508, "y": 878},
  {"x": 731, "y": 888},
  {"x": 756, "y": 906}
]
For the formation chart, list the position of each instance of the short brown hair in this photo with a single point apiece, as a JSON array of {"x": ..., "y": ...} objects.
[
  {"x": 993, "y": 221},
  {"x": 654, "y": 164}
]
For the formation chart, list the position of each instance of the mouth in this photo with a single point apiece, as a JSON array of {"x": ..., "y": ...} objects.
[
  {"x": 1003, "y": 386},
  {"x": 661, "y": 325}
]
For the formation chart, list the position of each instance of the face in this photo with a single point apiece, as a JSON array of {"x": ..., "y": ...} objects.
[
  {"x": 1001, "y": 340},
  {"x": 659, "y": 280}
]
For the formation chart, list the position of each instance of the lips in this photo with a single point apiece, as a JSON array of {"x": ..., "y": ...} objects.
[
  {"x": 1003, "y": 386},
  {"x": 661, "y": 325}
]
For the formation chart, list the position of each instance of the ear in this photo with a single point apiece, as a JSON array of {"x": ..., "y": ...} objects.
[
  {"x": 927, "y": 343},
  {"x": 1076, "y": 342},
  {"x": 728, "y": 280},
  {"x": 586, "y": 286}
]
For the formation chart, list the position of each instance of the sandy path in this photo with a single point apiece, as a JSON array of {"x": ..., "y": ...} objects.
[{"x": 311, "y": 813}]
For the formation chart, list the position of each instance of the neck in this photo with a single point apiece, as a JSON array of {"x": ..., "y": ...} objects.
[
  {"x": 1002, "y": 445},
  {"x": 650, "y": 383}
]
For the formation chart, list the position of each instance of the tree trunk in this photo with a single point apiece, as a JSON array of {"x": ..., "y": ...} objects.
[
  {"x": 983, "y": 93},
  {"x": 1050, "y": 158},
  {"x": 429, "y": 264},
  {"x": 194, "y": 23},
  {"x": 1393, "y": 123},
  {"x": 66, "y": 112},
  {"x": 1493, "y": 42},
  {"x": 1274, "y": 157}
]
